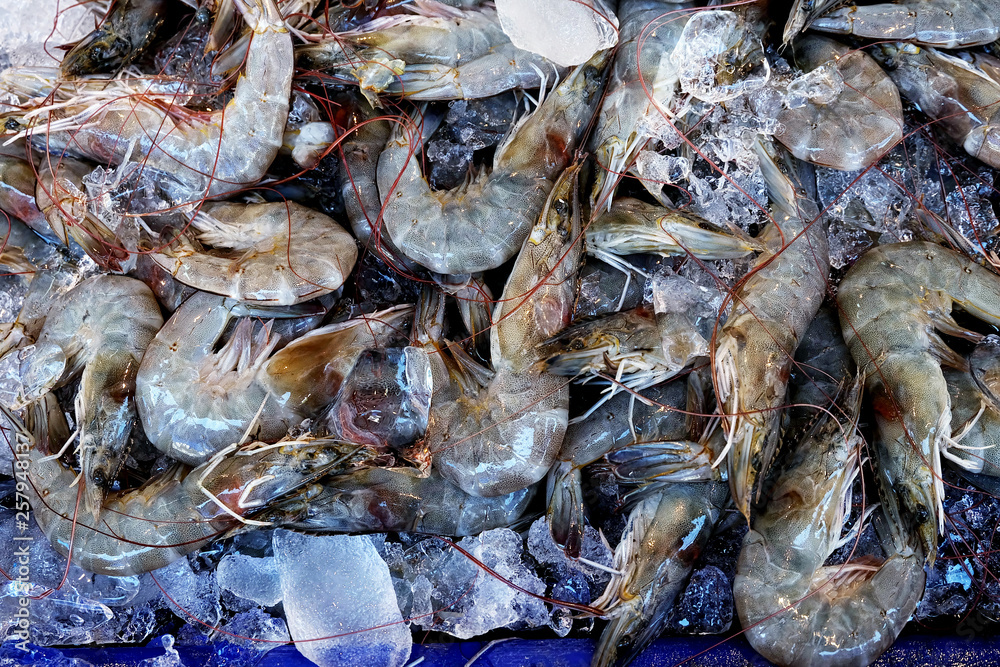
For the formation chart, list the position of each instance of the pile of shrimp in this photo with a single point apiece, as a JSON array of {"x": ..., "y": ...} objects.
[{"x": 345, "y": 268}]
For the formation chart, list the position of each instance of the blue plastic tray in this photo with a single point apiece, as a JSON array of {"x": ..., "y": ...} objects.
[{"x": 911, "y": 651}]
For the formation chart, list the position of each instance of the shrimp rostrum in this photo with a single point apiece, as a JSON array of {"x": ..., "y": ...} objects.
[{"x": 174, "y": 513}]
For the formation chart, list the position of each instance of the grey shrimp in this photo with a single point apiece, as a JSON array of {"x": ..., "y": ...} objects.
[
  {"x": 482, "y": 225},
  {"x": 99, "y": 331},
  {"x": 893, "y": 302}
]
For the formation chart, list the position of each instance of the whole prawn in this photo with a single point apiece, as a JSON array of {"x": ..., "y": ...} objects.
[
  {"x": 893, "y": 302},
  {"x": 482, "y": 225},
  {"x": 173, "y": 514},
  {"x": 200, "y": 156},
  {"x": 797, "y": 611},
  {"x": 772, "y": 309},
  {"x": 99, "y": 331},
  {"x": 506, "y": 436}
]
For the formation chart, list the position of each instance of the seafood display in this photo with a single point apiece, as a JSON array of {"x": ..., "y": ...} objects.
[{"x": 314, "y": 308}]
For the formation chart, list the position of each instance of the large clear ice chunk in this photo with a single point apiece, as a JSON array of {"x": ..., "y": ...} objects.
[
  {"x": 567, "y": 32},
  {"x": 339, "y": 587}
]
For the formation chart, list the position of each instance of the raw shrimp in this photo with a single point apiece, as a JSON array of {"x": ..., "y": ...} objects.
[
  {"x": 101, "y": 328},
  {"x": 383, "y": 499},
  {"x": 797, "y": 611},
  {"x": 306, "y": 375},
  {"x": 61, "y": 196},
  {"x": 279, "y": 253},
  {"x": 193, "y": 401},
  {"x": 622, "y": 421},
  {"x": 199, "y": 156},
  {"x": 17, "y": 195},
  {"x": 666, "y": 533},
  {"x": 474, "y": 300},
  {"x": 632, "y": 227},
  {"x": 772, "y": 309},
  {"x": 948, "y": 24},
  {"x": 123, "y": 38},
  {"x": 505, "y": 437},
  {"x": 960, "y": 97},
  {"x": 174, "y": 513},
  {"x": 444, "y": 53},
  {"x": 844, "y": 112},
  {"x": 891, "y": 301},
  {"x": 482, "y": 225},
  {"x": 642, "y": 83}
]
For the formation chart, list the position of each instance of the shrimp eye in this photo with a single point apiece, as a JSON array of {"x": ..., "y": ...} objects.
[
  {"x": 12, "y": 124},
  {"x": 203, "y": 16},
  {"x": 562, "y": 206},
  {"x": 922, "y": 514}
]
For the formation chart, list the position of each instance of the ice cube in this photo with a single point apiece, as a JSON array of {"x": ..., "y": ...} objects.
[
  {"x": 452, "y": 594},
  {"x": 169, "y": 659},
  {"x": 719, "y": 57},
  {"x": 339, "y": 587},
  {"x": 567, "y": 32},
  {"x": 30, "y": 31},
  {"x": 251, "y": 578},
  {"x": 189, "y": 593}
]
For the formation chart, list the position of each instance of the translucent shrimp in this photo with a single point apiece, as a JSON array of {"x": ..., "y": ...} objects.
[
  {"x": 197, "y": 156},
  {"x": 844, "y": 112},
  {"x": 891, "y": 302},
  {"x": 771, "y": 311},
  {"x": 98, "y": 331},
  {"x": 307, "y": 374},
  {"x": 641, "y": 86},
  {"x": 279, "y": 253},
  {"x": 176, "y": 512},
  {"x": 505, "y": 437},
  {"x": 622, "y": 422},
  {"x": 194, "y": 401},
  {"x": 482, "y": 225},
  {"x": 360, "y": 152},
  {"x": 666, "y": 533},
  {"x": 383, "y": 499},
  {"x": 948, "y": 24},
  {"x": 630, "y": 227},
  {"x": 797, "y": 611},
  {"x": 975, "y": 424},
  {"x": 961, "y": 98},
  {"x": 443, "y": 53}
]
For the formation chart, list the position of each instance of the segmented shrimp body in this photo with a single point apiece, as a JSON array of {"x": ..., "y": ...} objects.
[
  {"x": 174, "y": 513},
  {"x": 963, "y": 99},
  {"x": 196, "y": 157},
  {"x": 893, "y": 302},
  {"x": 844, "y": 112},
  {"x": 798, "y": 611},
  {"x": 279, "y": 253},
  {"x": 504, "y": 438},
  {"x": 482, "y": 225},
  {"x": 771, "y": 311},
  {"x": 98, "y": 331},
  {"x": 948, "y": 24},
  {"x": 406, "y": 500},
  {"x": 193, "y": 401},
  {"x": 441, "y": 53}
]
